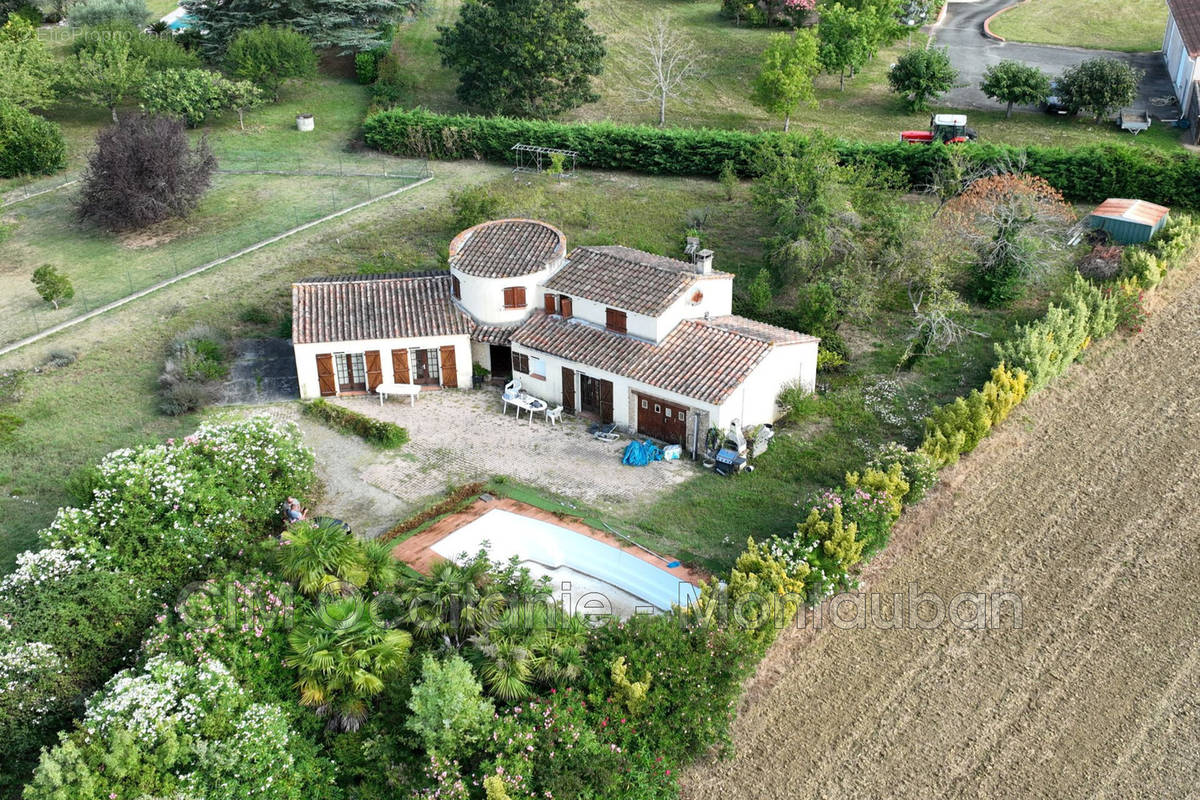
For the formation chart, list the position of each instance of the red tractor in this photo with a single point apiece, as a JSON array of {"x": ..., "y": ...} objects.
[{"x": 944, "y": 128}]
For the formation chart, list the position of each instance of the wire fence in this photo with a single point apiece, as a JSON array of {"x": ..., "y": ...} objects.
[{"x": 107, "y": 269}]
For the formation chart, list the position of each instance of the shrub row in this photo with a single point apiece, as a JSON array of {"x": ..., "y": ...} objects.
[
  {"x": 384, "y": 434},
  {"x": 453, "y": 502},
  {"x": 1087, "y": 174},
  {"x": 154, "y": 519}
]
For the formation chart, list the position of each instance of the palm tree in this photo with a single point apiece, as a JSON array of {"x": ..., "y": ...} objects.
[
  {"x": 454, "y": 602},
  {"x": 344, "y": 658},
  {"x": 381, "y": 569},
  {"x": 527, "y": 643},
  {"x": 318, "y": 554}
]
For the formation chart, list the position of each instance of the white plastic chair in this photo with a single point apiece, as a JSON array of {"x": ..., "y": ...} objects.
[{"x": 554, "y": 415}]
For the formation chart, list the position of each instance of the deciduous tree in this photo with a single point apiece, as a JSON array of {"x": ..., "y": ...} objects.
[
  {"x": 785, "y": 79},
  {"x": 53, "y": 286},
  {"x": 26, "y": 66},
  {"x": 1099, "y": 86},
  {"x": 268, "y": 56},
  {"x": 143, "y": 170},
  {"x": 194, "y": 95},
  {"x": 922, "y": 74},
  {"x": 525, "y": 58},
  {"x": 665, "y": 63},
  {"x": 1012, "y": 82},
  {"x": 106, "y": 74},
  {"x": 845, "y": 40}
]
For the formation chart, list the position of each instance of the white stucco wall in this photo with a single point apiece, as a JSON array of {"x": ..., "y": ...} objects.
[
  {"x": 639, "y": 325},
  {"x": 483, "y": 298},
  {"x": 306, "y": 357},
  {"x": 717, "y": 300}
]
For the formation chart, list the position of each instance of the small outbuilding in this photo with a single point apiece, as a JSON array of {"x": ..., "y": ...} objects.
[{"x": 1128, "y": 221}]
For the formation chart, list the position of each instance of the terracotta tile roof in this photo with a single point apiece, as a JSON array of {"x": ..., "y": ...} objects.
[
  {"x": 1187, "y": 17},
  {"x": 760, "y": 330},
  {"x": 356, "y": 307},
  {"x": 627, "y": 279},
  {"x": 1132, "y": 210},
  {"x": 493, "y": 334},
  {"x": 702, "y": 360},
  {"x": 507, "y": 248}
]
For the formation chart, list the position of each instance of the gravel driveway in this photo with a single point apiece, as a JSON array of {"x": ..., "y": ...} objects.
[{"x": 971, "y": 53}]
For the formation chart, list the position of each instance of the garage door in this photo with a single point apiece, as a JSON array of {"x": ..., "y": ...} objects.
[{"x": 662, "y": 420}]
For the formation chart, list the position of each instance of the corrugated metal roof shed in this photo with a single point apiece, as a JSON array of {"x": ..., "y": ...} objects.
[{"x": 1128, "y": 221}]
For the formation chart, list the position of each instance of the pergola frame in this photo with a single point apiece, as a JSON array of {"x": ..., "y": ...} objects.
[{"x": 532, "y": 158}]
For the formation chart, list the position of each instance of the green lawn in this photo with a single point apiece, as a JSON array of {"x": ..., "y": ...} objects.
[
  {"x": 865, "y": 110},
  {"x": 1132, "y": 26}
]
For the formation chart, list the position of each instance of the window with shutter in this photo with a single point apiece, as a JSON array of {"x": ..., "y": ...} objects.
[
  {"x": 564, "y": 303},
  {"x": 615, "y": 320},
  {"x": 551, "y": 308},
  {"x": 514, "y": 297},
  {"x": 456, "y": 286}
]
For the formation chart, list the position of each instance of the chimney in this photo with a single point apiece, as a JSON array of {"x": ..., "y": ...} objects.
[{"x": 704, "y": 261}]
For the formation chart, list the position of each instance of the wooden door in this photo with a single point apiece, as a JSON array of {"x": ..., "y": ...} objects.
[
  {"x": 400, "y": 366},
  {"x": 606, "y": 401},
  {"x": 374, "y": 369},
  {"x": 449, "y": 367},
  {"x": 568, "y": 390},
  {"x": 589, "y": 395},
  {"x": 661, "y": 420},
  {"x": 326, "y": 380}
]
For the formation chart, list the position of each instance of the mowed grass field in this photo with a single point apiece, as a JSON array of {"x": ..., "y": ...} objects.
[
  {"x": 1082, "y": 505},
  {"x": 865, "y": 110},
  {"x": 1132, "y": 26}
]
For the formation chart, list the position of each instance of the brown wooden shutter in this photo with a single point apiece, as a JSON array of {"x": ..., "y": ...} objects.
[
  {"x": 606, "y": 401},
  {"x": 520, "y": 295},
  {"x": 568, "y": 390},
  {"x": 400, "y": 366},
  {"x": 326, "y": 380},
  {"x": 374, "y": 369},
  {"x": 615, "y": 320},
  {"x": 549, "y": 300},
  {"x": 449, "y": 367},
  {"x": 510, "y": 298},
  {"x": 564, "y": 303}
]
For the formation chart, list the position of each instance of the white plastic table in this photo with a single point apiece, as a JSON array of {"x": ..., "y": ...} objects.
[
  {"x": 529, "y": 403},
  {"x": 401, "y": 389}
]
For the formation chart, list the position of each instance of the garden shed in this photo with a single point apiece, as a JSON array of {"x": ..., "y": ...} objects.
[{"x": 1128, "y": 221}]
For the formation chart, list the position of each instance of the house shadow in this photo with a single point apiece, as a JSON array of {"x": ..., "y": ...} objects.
[{"x": 263, "y": 371}]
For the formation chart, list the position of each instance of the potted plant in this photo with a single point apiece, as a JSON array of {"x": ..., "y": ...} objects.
[{"x": 478, "y": 375}]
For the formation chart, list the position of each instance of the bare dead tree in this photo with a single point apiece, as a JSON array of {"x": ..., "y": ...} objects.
[
  {"x": 936, "y": 323},
  {"x": 959, "y": 169},
  {"x": 665, "y": 63}
]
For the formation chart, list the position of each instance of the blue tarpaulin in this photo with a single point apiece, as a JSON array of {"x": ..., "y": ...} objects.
[{"x": 639, "y": 454}]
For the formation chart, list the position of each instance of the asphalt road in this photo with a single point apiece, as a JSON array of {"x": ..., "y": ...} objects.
[{"x": 971, "y": 53}]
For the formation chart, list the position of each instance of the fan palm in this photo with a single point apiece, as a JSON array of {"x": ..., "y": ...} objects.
[
  {"x": 528, "y": 643},
  {"x": 380, "y": 568},
  {"x": 315, "y": 555},
  {"x": 343, "y": 658},
  {"x": 454, "y": 601}
]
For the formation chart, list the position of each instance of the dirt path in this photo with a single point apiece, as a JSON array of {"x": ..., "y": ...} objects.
[{"x": 1085, "y": 505}]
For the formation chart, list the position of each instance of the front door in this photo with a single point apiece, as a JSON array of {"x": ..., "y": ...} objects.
[
  {"x": 589, "y": 395},
  {"x": 501, "y": 361},
  {"x": 661, "y": 420},
  {"x": 425, "y": 370},
  {"x": 351, "y": 372}
]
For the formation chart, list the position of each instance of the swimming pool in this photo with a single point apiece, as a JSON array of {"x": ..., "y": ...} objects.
[{"x": 562, "y": 551}]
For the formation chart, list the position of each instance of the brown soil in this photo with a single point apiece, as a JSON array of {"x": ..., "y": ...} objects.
[{"x": 1084, "y": 505}]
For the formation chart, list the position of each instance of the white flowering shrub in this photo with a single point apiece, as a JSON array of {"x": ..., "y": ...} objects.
[
  {"x": 36, "y": 567},
  {"x": 176, "y": 730},
  {"x": 31, "y": 684}
]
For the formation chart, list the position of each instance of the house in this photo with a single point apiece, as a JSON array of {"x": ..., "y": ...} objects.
[
  {"x": 1128, "y": 221},
  {"x": 608, "y": 332},
  {"x": 1181, "y": 52}
]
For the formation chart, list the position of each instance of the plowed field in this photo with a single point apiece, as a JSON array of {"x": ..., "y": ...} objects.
[{"x": 1086, "y": 505}]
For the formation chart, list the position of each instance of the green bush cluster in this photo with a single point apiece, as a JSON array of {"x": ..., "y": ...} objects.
[
  {"x": 158, "y": 517},
  {"x": 1088, "y": 174},
  {"x": 195, "y": 364},
  {"x": 1045, "y": 347},
  {"x": 1174, "y": 246},
  {"x": 959, "y": 427},
  {"x": 384, "y": 434},
  {"x": 29, "y": 144}
]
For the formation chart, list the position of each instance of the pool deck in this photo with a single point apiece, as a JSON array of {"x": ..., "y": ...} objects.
[{"x": 417, "y": 551}]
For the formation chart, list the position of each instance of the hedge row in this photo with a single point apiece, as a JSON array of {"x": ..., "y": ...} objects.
[
  {"x": 1088, "y": 174},
  {"x": 384, "y": 434}
]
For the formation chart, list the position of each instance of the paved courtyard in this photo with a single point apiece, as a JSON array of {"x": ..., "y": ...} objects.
[{"x": 461, "y": 436}]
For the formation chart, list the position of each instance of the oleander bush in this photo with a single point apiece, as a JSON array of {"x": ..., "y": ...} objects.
[
  {"x": 1089, "y": 174},
  {"x": 379, "y": 432},
  {"x": 158, "y": 517}
]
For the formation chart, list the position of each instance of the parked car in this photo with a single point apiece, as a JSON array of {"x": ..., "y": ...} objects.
[{"x": 1054, "y": 103}]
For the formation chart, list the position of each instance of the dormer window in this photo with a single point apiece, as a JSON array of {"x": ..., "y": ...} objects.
[
  {"x": 514, "y": 297},
  {"x": 615, "y": 320}
]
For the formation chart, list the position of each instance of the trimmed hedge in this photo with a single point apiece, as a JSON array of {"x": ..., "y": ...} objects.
[
  {"x": 1089, "y": 174},
  {"x": 384, "y": 434}
]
